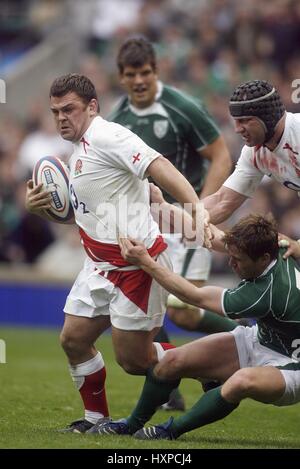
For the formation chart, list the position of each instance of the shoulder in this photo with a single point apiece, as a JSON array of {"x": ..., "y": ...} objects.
[
  {"x": 188, "y": 109},
  {"x": 252, "y": 290},
  {"x": 248, "y": 156},
  {"x": 248, "y": 151},
  {"x": 292, "y": 126},
  {"x": 292, "y": 118},
  {"x": 106, "y": 132},
  {"x": 180, "y": 100}
]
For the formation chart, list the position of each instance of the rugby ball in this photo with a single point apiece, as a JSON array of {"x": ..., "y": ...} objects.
[{"x": 54, "y": 174}]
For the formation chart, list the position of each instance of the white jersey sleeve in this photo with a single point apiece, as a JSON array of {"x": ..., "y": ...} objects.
[
  {"x": 246, "y": 176},
  {"x": 129, "y": 152}
]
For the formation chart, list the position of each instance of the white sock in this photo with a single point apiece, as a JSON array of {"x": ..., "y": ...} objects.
[
  {"x": 159, "y": 350},
  {"x": 78, "y": 372},
  {"x": 92, "y": 417}
]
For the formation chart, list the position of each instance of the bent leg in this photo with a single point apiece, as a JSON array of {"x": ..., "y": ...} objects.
[
  {"x": 79, "y": 335},
  {"x": 211, "y": 357},
  {"x": 264, "y": 384},
  {"x": 211, "y": 407},
  {"x": 87, "y": 366},
  {"x": 134, "y": 350},
  {"x": 137, "y": 354}
]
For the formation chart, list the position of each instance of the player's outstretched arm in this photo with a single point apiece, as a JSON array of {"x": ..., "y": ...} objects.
[
  {"x": 172, "y": 181},
  {"x": 173, "y": 219},
  {"x": 170, "y": 218},
  {"x": 194, "y": 225},
  {"x": 206, "y": 297},
  {"x": 222, "y": 204}
]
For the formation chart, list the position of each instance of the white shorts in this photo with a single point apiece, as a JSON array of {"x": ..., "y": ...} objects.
[
  {"x": 192, "y": 264},
  {"x": 251, "y": 353},
  {"x": 94, "y": 295}
]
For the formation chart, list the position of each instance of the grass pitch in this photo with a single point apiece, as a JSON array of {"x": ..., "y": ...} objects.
[{"x": 38, "y": 397}]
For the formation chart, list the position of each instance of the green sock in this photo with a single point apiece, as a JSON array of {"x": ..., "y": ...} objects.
[
  {"x": 155, "y": 393},
  {"x": 175, "y": 394},
  {"x": 162, "y": 337},
  {"x": 210, "y": 408},
  {"x": 212, "y": 322}
]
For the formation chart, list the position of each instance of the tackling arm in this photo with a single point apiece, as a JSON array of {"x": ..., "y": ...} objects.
[
  {"x": 173, "y": 219},
  {"x": 205, "y": 297},
  {"x": 222, "y": 204}
]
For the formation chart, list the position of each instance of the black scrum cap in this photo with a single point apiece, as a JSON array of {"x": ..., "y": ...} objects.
[{"x": 259, "y": 99}]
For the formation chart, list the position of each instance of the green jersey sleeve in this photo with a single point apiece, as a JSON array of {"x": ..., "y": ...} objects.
[
  {"x": 202, "y": 130},
  {"x": 195, "y": 124},
  {"x": 250, "y": 299}
]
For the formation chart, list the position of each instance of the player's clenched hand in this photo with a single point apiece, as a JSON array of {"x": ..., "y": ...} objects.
[
  {"x": 292, "y": 246},
  {"x": 36, "y": 199},
  {"x": 201, "y": 226},
  {"x": 208, "y": 232},
  {"x": 133, "y": 251}
]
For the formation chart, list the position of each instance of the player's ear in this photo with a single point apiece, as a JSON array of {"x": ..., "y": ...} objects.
[{"x": 93, "y": 106}]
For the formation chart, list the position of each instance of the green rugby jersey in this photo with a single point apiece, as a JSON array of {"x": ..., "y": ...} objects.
[
  {"x": 176, "y": 125},
  {"x": 273, "y": 299}
]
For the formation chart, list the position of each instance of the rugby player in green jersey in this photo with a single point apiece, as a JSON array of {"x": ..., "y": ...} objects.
[
  {"x": 179, "y": 127},
  {"x": 259, "y": 362}
]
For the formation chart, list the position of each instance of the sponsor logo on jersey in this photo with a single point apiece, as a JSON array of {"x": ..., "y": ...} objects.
[
  {"x": 160, "y": 128},
  {"x": 78, "y": 167}
]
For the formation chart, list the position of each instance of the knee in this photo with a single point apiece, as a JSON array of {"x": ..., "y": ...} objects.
[
  {"x": 185, "y": 318},
  {"x": 243, "y": 382},
  {"x": 132, "y": 366},
  {"x": 70, "y": 343},
  {"x": 171, "y": 366}
]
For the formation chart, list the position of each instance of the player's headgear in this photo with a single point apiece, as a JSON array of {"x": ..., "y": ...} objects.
[{"x": 259, "y": 99}]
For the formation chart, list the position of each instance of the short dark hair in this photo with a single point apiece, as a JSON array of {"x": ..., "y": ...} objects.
[
  {"x": 255, "y": 236},
  {"x": 136, "y": 52},
  {"x": 73, "y": 82}
]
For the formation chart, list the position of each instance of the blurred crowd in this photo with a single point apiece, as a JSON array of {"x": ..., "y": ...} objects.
[{"x": 205, "y": 47}]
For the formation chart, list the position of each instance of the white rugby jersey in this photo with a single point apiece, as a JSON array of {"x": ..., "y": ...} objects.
[
  {"x": 282, "y": 164},
  {"x": 109, "y": 192}
]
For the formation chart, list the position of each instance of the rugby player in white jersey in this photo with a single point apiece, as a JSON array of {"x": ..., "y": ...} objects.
[
  {"x": 110, "y": 196},
  {"x": 179, "y": 127},
  {"x": 272, "y": 147}
]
